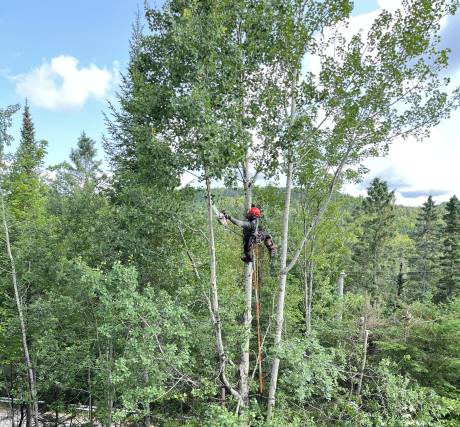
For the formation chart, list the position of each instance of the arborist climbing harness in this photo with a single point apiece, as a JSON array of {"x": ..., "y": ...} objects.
[{"x": 253, "y": 235}]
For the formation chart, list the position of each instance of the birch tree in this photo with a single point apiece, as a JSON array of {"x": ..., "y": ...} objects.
[
  {"x": 370, "y": 91},
  {"x": 5, "y": 139}
]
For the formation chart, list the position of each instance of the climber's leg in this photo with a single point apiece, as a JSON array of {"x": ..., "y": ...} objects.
[
  {"x": 247, "y": 247},
  {"x": 268, "y": 242}
]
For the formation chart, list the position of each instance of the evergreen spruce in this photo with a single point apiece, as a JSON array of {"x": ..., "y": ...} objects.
[
  {"x": 377, "y": 230},
  {"x": 25, "y": 184},
  {"x": 449, "y": 285},
  {"x": 425, "y": 265},
  {"x": 135, "y": 151},
  {"x": 83, "y": 171},
  {"x": 30, "y": 153}
]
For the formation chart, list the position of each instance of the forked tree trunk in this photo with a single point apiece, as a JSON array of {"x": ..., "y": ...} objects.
[
  {"x": 25, "y": 347},
  {"x": 284, "y": 267},
  {"x": 214, "y": 299}
]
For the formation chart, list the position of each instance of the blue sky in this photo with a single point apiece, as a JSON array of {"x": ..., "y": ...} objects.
[
  {"x": 65, "y": 57},
  {"x": 33, "y": 32},
  {"x": 97, "y": 33}
]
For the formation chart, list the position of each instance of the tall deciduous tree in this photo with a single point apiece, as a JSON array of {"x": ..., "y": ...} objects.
[
  {"x": 5, "y": 139},
  {"x": 369, "y": 92}
]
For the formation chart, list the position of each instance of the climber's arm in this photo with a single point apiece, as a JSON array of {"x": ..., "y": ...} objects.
[{"x": 239, "y": 223}]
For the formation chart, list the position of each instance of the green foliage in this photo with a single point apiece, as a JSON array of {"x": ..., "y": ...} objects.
[
  {"x": 24, "y": 182},
  {"x": 377, "y": 230},
  {"x": 83, "y": 171},
  {"x": 310, "y": 371},
  {"x": 114, "y": 272},
  {"x": 425, "y": 264},
  {"x": 424, "y": 345},
  {"x": 6, "y": 115},
  {"x": 449, "y": 284},
  {"x": 392, "y": 400}
]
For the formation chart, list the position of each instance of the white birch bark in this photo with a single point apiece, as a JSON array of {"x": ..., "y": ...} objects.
[
  {"x": 25, "y": 346},
  {"x": 281, "y": 292},
  {"x": 214, "y": 299},
  {"x": 279, "y": 318},
  {"x": 339, "y": 293},
  {"x": 247, "y": 316}
]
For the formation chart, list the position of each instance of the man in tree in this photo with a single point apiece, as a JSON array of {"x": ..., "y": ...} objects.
[{"x": 253, "y": 233}]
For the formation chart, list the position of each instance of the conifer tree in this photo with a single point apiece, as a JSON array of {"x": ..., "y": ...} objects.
[
  {"x": 25, "y": 183},
  {"x": 377, "y": 229},
  {"x": 135, "y": 151},
  {"x": 30, "y": 153},
  {"x": 449, "y": 284},
  {"x": 83, "y": 170},
  {"x": 20, "y": 297},
  {"x": 425, "y": 271},
  {"x": 84, "y": 161}
]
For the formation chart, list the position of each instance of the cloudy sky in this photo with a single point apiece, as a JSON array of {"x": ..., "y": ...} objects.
[{"x": 65, "y": 58}]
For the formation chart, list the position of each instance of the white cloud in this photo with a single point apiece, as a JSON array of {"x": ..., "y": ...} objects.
[
  {"x": 417, "y": 169},
  {"x": 413, "y": 169},
  {"x": 389, "y": 4},
  {"x": 61, "y": 85}
]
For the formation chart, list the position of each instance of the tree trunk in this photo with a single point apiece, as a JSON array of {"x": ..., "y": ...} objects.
[
  {"x": 308, "y": 275},
  {"x": 247, "y": 316},
  {"x": 281, "y": 292},
  {"x": 363, "y": 363},
  {"x": 28, "y": 415},
  {"x": 339, "y": 292},
  {"x": 90, "y": 403},
  {"x": 283, "y": 262},
  {"x": 146, "y": 419},
  {"x": 25, "y": 347},
  {"x": 109, "y": 386},
  {"x": 214, "y": 300},
  {"x": 21, "y": 418}
]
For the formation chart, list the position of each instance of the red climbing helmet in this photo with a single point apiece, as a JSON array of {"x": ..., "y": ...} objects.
[{"x": 253, "y": 212}]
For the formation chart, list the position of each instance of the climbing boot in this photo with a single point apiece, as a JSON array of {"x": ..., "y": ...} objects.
[{"x": 271, "y": 247}]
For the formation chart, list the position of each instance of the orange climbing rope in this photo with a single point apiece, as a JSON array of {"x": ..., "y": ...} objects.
[{"x": 255, "y": 269}]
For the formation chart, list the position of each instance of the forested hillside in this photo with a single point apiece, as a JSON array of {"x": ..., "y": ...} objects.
[{"x": 123, "y": 296}]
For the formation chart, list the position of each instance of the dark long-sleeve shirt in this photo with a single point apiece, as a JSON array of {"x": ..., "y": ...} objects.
[{"x": 249, "y": 227}]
